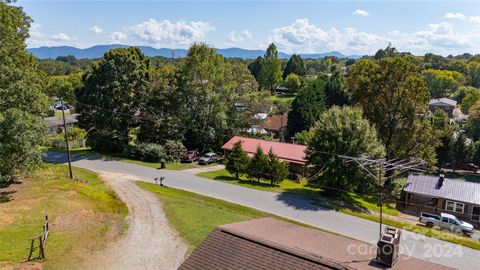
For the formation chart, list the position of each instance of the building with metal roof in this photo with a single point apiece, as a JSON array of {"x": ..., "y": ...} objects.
[{"x": 437, "y": 194}]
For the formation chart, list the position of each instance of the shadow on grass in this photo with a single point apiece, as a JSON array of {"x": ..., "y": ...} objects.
[{"x": 464, "y": 176}]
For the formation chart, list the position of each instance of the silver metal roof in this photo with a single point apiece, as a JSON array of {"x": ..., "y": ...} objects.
[
  {"x": 457, "y": 190},
  {"x": 58, "y": 121},
  {"x": 443, "y": 101}
]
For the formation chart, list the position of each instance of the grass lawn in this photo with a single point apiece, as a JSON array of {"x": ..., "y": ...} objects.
[
  {"x": 287, "y": 99},
  {"x": 87, "y": 151},
  {"x": 84, "y": 215},
  {"x": 194, "y": 216}
]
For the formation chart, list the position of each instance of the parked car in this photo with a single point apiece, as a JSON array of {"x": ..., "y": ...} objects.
[
  {"x": 191, "y": 156},
  {"x": 208, "y": 158},
  {"x": 446, "y": 221},
  {"x": 470, "y": 167}
]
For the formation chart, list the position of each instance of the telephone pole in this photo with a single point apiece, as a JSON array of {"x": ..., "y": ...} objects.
[{"x": 65, "y": 131}]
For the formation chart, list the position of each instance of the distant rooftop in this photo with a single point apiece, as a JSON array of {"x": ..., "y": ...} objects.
[
  {"x": 58, "y": 121},
  {"x": 294, "y": 153},
  {"x": 268, "y": 243},
  {"x": 442, "y": 101}
]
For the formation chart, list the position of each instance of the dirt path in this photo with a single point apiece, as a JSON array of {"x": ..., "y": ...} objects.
[
  {"x": 149, "y": 243},
  {"x": 204, "y": 169}
]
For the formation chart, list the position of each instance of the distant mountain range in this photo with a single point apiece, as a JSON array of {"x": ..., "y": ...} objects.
[{"x": 99, "y": 50}]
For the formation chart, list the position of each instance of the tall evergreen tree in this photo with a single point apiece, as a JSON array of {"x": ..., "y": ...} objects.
[
  {"x": 271, "y": 72},
  {"x": 237, "y": 160},
  {"x": 307, "y": 107},
  {"x": 276, "y": 170},
  {"x": 113, "y": 93},
  {"x": 23, "y": 103},
  {"x": 295, "y": 65},
  {"x": 255, "y": 67},
  {"x": 258, "y": 165}
]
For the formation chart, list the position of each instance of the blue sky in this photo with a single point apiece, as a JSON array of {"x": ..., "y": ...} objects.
[{"x": 351, "y": 27}]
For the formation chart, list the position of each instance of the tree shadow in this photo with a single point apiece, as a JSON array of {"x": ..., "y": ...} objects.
[
  {"x": 5, "y": 196},
  {"x": 299, "y": 202}
]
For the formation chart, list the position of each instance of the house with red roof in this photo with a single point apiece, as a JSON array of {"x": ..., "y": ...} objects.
[{"x": 294, "y": 154}]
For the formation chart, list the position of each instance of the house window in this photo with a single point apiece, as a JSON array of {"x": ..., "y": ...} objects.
[{"x": 455, "y": 207}]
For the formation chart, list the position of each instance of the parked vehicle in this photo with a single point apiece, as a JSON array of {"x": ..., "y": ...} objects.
[
  {"x": 208, "y": 158},
  {"x": 191, "y": 156},
  {"x": 446, "y": 221},
  {"x": 470, "y": 167}
]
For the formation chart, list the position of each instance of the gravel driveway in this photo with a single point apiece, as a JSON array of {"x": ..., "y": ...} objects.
[{"x": 149, "y": 243}]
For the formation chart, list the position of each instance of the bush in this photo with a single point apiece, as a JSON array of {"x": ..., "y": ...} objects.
[
  {"x": 146, "y": 152},
  {"x": 174, "y": 150}
]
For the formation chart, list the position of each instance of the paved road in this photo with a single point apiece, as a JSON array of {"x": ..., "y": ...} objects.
[{"x": 292, "y": 207}]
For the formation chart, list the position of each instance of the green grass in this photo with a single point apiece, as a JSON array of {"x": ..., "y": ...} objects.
[
  {"x": 80, "y": 213},
  {"x": 288, "y": 99},
  {"x": 194, "y": 216}
]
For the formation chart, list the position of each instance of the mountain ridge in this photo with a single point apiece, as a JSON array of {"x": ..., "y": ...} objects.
[{"x": 97, "y": 51}]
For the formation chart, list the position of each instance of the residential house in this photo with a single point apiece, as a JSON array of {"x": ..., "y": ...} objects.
[
  {"x": 437, "y": 194},
  {"x": 446, "y": 104},
  {"x": 276, "y": 125},
  {"x": 294, "y": 154},
  {"x": 55, "y": 123},
  {"x": 269, "y": 243}
]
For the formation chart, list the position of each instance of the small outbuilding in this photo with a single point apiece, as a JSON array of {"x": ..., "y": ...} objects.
[{"x": 437, "y": 194}]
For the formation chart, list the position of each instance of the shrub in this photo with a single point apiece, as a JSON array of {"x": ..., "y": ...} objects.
[
  {"x": 174, "y": 150},
  {"x": 146, "y": 152}
]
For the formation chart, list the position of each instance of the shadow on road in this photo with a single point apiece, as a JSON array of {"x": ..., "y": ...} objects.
[{"x": 299, "y": 202}]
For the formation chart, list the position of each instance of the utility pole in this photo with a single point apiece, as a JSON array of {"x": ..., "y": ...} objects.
[
  {"x": 380, "y": 204},
  {"x": 66, "y": 140}
]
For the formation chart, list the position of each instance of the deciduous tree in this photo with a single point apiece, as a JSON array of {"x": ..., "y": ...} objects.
[
  {"x": 342, "y": 131},
  {"x": 112, "y": 95}
]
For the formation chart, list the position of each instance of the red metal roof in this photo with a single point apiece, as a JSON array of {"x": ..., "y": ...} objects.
[{"x": 293, "y": 153}]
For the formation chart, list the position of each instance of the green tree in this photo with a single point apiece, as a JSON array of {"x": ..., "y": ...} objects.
[
  {"x": 473, "y": 123},
  {"x": 443, "y": 130},
  {"x": 23, "y": 103},
  {"x": 276, "y": 170},
  {"x": 113, "y": 93},
  {"x": 204, "y": 86},
  {"x": 393, "y": 94},
  {"x": 460, "y": 150},
  {"x": 255, "y": 67},
  {"x": 63, "y": 86},
  {"x": 476, "y": 153},
  {"x": 335, "y": 95},
  {"x": 474, "y": 74},
  {"x": 237, "y": 160},
  {"x": 294, "y": 65},
  {"x": 442, "y": 83},
  {"x": 163, "y": 107},
  {"x": 470, "y": 99},
  {"x": 307, "y": 107},
  {"x": 258, "y": 165},
  {"x": 342, "y": 131},
  {"x": 270, "y": 71},
  {"x": 293, "y": 82}
]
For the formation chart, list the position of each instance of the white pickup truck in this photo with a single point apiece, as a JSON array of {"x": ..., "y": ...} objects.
[{"x": 446, "y": 221}]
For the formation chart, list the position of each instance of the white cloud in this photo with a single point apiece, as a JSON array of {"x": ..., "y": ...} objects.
[
  {"x": 454, "y": 15},
  {"x": 95, "y": 29},
  {"x": 360, "y": 12},
  {"x": 118, "y": 37},
  {"x": 247, "y": 33},
  {"x": 232, "y": 37},
  {"x": 61, "y": 37},
  {"x": 35, "y": 30},
  {"x": 301, "y": 36},
  {"x": 164, "y": 33},
  {"x": 475, "y": 19}
]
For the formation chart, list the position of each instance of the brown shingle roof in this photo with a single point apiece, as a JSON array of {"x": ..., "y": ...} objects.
[
  {"x": 276, "y": 122},
  {"x": 269, "y": 243}
]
